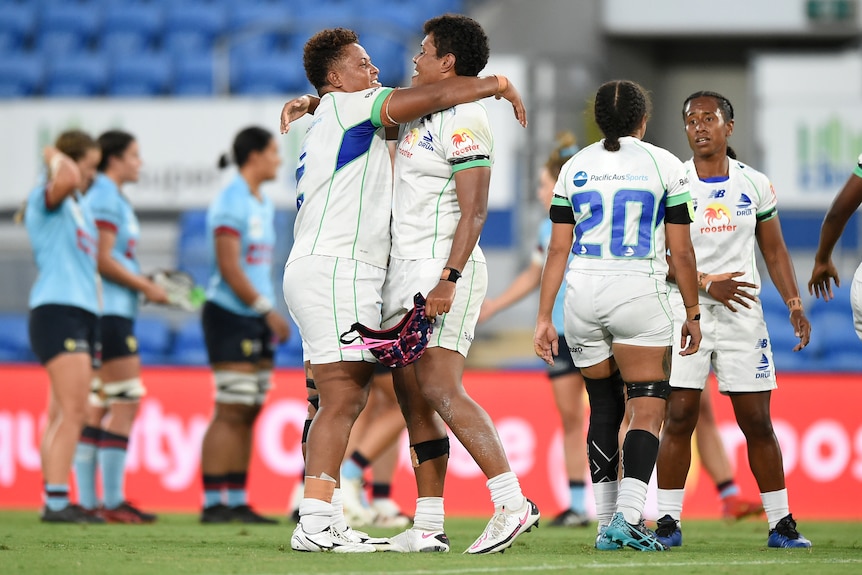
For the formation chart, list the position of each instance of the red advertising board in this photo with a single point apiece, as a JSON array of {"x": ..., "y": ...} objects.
[{"x": 815, "y": 416}]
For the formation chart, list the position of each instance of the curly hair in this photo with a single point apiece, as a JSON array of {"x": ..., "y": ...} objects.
[
  {"x": 462, "y": 37},
  {"x": 323, "y": 50},
  {"x": 722, "y": 102},
  {"x": 621, "y": 106}
]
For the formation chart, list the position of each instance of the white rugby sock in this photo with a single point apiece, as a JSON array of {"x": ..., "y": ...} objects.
[{"x": 776, "y": 505}]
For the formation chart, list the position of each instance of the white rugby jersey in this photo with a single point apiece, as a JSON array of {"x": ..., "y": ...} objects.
[
  {"x": 726, "y": 212},
  {"x": 430, "y": 151},
  {"x": 619, "y": 201},
  {"x": 344, "y": 181}
]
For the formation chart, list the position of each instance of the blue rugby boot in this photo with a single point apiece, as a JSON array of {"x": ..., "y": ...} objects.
[
  {"x": 634, "y": 536},
  {"x": 668, "y": 532},
  {"x": 785, "y": 535},
  {"x": 605, "y": 543}
]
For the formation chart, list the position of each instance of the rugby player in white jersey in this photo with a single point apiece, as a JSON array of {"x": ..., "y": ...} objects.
[
  {"x": 617, "y": 205},
  {"x": 442, "y": 174},
  {"x": 736, "y": 208},
  {"x": 334, "y": 274},
  {"x": 843, "y": 206}
]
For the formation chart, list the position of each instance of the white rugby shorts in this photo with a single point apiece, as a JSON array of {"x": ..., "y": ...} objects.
[
  {"x": 735, "y": 344},
  {"x": 326, "y": 295},
  {"x": 602, "y": 310},
  {"x": 453, "y": 330}
]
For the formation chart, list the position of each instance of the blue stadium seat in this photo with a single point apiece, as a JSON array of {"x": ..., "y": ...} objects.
[
  {"x": 770, "y": 299},
  {"x": 66, "y": 28},
  {"x": 389, "y": 55},
  {"x": 258, "y": 28},
  {"x": 14, "y": 339},
  {"x": 189, "y": 347},
  {"x": 200, "y": 272},
  {"x": 193, "y": 75},
  {"x": 76, "y": 75},
  {"x": 274, "y": 73},
  {"x": 140, "y": 75},
  {"x": 192, "y": 248},
  {"x": 154, "y": 339},
  {"x": 17, "y": 22},
  {"x": 20, "y": 74},
  {"x": 193, "y": 28},
  {"x": 130, "y": 29},
  {"x": 839, "y": 302},
  {"x": 837, "y": 338}
]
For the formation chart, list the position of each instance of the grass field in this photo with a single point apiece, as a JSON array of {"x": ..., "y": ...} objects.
[{"x": 178, "y": 544}]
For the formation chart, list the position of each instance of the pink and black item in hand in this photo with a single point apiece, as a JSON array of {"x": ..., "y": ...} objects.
[{"x": 399, "y": 345}]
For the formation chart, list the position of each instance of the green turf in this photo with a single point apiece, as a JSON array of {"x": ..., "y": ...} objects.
[{"x": 178, "y": 544}]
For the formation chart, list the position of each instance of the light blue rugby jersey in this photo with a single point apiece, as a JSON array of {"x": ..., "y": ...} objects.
[
  {"x": 559, "y": 302},
  {"x": 113, "y": 211},
  {"x": 64, "y": 242},
  {"x": 237, "y": 211}
]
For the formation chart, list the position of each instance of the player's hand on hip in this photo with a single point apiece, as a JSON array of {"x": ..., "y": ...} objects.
[
  {"x": 690, "y": 335},
  {"x": 820, "y": 284},
  {"x": 801, "y": 328},
  {"x": 439, "y": 300},
  {"x": 279, "y": 326},
  {"x": 546, "y": 342}
]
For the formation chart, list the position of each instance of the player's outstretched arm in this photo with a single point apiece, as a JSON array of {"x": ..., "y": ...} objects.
[
  {"x": 409, "y": 104},
  {"x": 845, "y": 203}
]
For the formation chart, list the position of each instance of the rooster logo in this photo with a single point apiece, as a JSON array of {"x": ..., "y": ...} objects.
[
  {"x": 715, "y": 214},
  {"x": 462, "y": 138},
  {"x": 410, "y": 139}
]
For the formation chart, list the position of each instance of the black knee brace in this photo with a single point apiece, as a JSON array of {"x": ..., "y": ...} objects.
[
  {"x": 422, "y": 452},
  {"x": 607, "y": 409},
  {"x": 659, "y": 389}
]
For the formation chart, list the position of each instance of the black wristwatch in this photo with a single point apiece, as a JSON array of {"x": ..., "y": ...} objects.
[{"x": 453, "y": 275}]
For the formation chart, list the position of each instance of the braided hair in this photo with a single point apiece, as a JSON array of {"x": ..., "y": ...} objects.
[
  {"x": 620, "y": 108},
  {"x": 724, "y": 105}
]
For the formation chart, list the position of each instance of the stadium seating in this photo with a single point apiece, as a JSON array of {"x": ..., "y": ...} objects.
[
  {"x": 76, "y": 75},
  {"x": 140, "y": 75},
  {"x": 189, "y": 347},
  {"x": 264, "y": 38},
  {"x": 17, "y": 22},
  {"x": 154, "y": 339},
  {"x": 14, "y": 339},
  {"x": 193, "y": 74},
  {"x": 65, "y": 28},
  {"x": 130, "y": 29},
  {"x": 20, "y": 74}
]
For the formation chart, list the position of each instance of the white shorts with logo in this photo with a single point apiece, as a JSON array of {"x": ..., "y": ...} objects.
[
  {"x": 453, "y": 330},
  {"x": 856, "y": 300},
  {"x": 735, "y": 344},
  {"x": 326, "y": 295},
  {"x": 602, "y": 310}
]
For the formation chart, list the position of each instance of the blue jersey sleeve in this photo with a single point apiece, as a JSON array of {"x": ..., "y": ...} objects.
[
  {"x": 229, "y": 214},
  {"x": 105, "y": 206}
]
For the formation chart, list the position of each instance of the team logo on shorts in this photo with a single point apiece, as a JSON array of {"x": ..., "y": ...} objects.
[
  {"x": 763, "y": 368},
  {"x": 580, "y": 179},
  {"x": 72, "y": 345},
  {"x": 717, "y": 219},
  {"x": 69, "y": 344},
  {"x": 464, "y": 142},
  {"x": 132, "y": 343},
  {"x": 247, "y": 347},
  {"x": 408, "y": 142}
]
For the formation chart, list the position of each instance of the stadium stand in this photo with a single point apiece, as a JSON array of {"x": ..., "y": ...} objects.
[
  {"x": 154, "y": 339},
  {"x": 263, "y": 37},
  {"x": 14, "y": 339}
]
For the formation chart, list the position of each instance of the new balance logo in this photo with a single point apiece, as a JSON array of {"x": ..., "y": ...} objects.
[
  {"x": 761, "y": 344},
  {"x": 717, "y": 193}
]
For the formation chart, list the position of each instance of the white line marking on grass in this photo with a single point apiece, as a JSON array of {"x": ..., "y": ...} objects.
[{"x": 597, "y": 566}]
